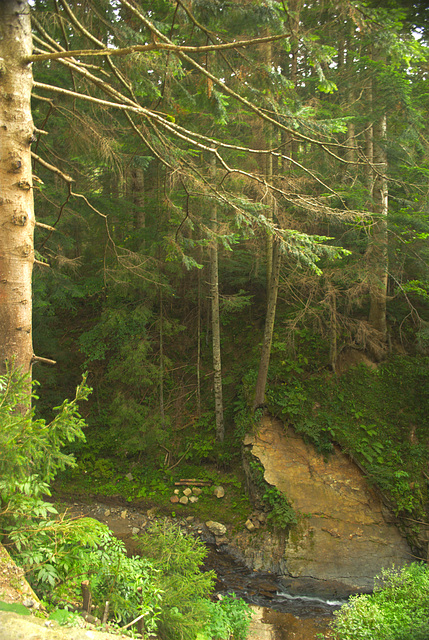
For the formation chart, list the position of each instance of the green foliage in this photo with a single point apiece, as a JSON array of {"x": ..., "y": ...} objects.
[
  {"x": 229, "y": 618},
  {"x": 14, "y": 607},
  {"x": 31, "y": 454},
  {"x": 178, "y": 560},
  {"x": 29, "y": 446},
  {"x": 186, "y": 612},
  {"x": 397, "y": 610},
  {"x": 280, "y": 512},
  {"x": 66, "y": 618},
  {"x": 378, "y": 416},
  {"x": 62, "y": 553}
]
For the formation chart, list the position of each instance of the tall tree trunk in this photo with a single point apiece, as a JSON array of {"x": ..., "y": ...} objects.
[
  {"x": 16, "y": 193},
  {"x": 199, "y": 311},
  {"x": 214, "y": 294},
  {"x": 378, "y": 251},
  {"x": 269, "y": 201},
  {"x": 137, "y": 186},
  {"x": 161, "y": 359},
  {"x": 264, "y": 362}
]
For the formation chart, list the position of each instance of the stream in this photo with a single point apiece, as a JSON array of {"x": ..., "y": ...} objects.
[
  {"x": 277, "y": 615},
  {"x": 285, "y": 617}
]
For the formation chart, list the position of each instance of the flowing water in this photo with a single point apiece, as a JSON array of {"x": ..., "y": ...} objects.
[{"x": 278, "y": 615}]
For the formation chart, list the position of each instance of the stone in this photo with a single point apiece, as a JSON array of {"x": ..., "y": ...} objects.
[
  {"x": 28, "y": 602},
  {"x": 343, "y": 537},
  {"x": 190, "y": 519},
  {"x": 197, "y": 491},
  {"x": 184, "y": 500},
  {"x": 216, "y": 528},
  {"x": 135, "y": 531},
  {"x": 107, "y": 513},
  {"x": 187, "y": 492},
  {"x": 218, "y": 492},
  {"x": 176, "y": 492},
  {"x": 124, "y": 514},
  {"x": 151, "y": 513},
  {"x": 129, "y": 476},
  {"x": 249, "y": 525},
  {"x": 193, "y": 499},
  {"x": 174, "y": 499}
]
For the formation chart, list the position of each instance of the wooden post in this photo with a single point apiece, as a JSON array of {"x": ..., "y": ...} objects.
[{"x": 86, "y": 596}]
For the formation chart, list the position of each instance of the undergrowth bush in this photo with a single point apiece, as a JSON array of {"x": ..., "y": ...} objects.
[
  {"x": 164, "y": 585},
  {"x": 187, "y": 613},
  {"x": 280, "y": 512},
  {"x": 377, "y": 416},
  {"x": 396, "y": 610},
  {"x": 31, "y": 454}
]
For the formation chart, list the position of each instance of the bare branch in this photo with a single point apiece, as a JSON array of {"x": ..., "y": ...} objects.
[
  {"x": 153, "y": 46},
  {"x": 52, "y": 168}
]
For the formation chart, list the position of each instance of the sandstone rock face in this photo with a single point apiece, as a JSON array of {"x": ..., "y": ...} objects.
[{"x": 345, "y": 535}]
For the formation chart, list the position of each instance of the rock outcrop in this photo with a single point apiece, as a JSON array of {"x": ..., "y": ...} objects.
[
  {"x": 345, "y": 534},
  {"x": 16, "y": 627}
]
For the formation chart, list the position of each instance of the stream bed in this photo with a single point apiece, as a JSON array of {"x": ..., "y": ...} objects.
[{"x": 277, "y": 614}]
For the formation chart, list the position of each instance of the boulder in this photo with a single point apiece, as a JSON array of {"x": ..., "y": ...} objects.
[
  {"x": 216, "y": 528},
  {"x": 249, "y": 525},
  {"x": 218, "y": 492}
]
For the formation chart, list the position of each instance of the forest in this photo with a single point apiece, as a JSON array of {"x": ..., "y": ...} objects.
[{"x": 210, "y": 210}]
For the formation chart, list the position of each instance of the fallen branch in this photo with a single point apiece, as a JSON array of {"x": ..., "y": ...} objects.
[
  {"x": 134, "y": 621},
  {"x": 195, "y": 483}
]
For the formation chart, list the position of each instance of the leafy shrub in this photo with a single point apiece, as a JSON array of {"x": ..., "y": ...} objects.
[
  {"x": 397, "y": 609},
  {"x": 230, "y": 618},
  {"x": 280, "y": 511},
  {"x": 187, "y": 613},
  {"x": 31, "y": 453},
  {"x": 177, "y": 559}
]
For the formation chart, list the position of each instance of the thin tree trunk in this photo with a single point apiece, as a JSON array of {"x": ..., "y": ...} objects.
[
  {"x": 199, "y": 310},
  {"x": 350, "y": 141},
  {"x": 270, "y": 202},
  {"x": 378, "y": 251},
  {"x": 333, "y": 347},
  {"x": 137, "y": 186},
  {"x": 264, "y": 362},
  {"x": 214, "y": 294},
  {"x": 16, "y": 193},
  {"x": 161, "y": 359}
]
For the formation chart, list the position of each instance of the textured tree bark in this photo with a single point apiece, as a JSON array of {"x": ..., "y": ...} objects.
[{"x": 16, "y": 193}]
